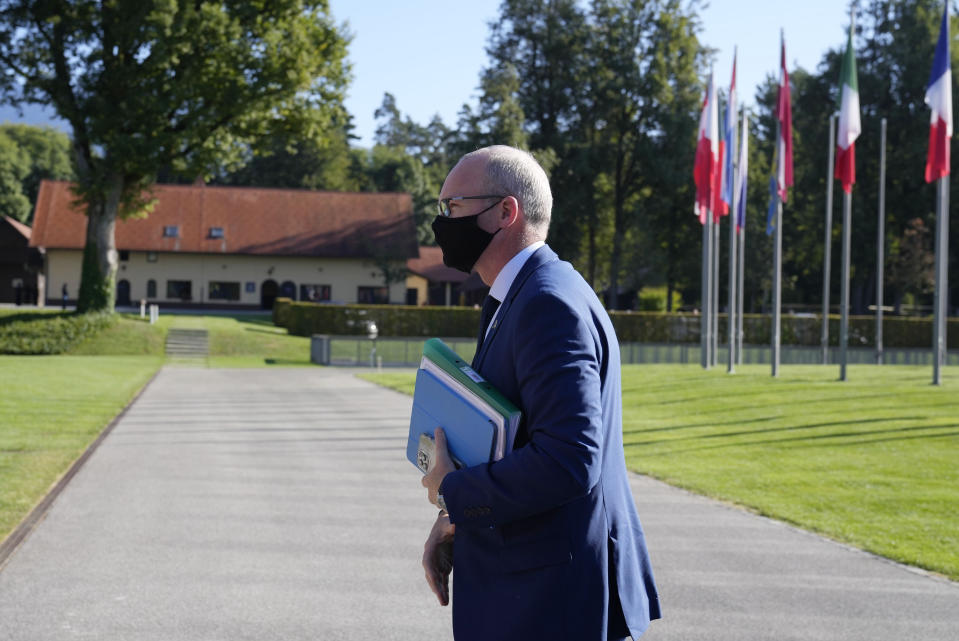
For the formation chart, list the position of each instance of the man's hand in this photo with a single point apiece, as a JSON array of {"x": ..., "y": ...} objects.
[
  {"x": 441, "y": 466},
  {"x": 438, "y": 557}
]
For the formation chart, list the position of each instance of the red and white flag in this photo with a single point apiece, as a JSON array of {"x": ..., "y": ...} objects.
[
  {"x": 707, "y": 155},
  {"x": 784, "y": 146}
]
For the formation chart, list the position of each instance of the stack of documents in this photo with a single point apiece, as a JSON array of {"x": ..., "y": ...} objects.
[{"x": 479, "y": 422}]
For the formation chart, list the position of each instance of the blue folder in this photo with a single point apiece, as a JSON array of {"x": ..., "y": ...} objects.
[{"x": 470, "y": 434}]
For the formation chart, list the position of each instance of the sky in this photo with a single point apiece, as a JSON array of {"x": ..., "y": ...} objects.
[{"x": 429, "y": 53}]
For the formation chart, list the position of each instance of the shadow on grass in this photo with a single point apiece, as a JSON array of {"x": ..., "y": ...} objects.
[
  {"x": 276, "y": 331},
  {"x": 284, "y": 361},
  {"x": 819, "y": 439},
  {"x": 792, "y": 428},
  {"x": 640, "y": 430}
]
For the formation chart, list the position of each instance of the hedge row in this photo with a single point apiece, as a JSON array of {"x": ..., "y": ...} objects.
[
  {"x": 305, "y": 319},
  {"x": 53, "y": 334}
]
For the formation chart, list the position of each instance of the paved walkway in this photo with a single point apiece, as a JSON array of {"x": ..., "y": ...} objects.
[{"x": 277, "y": 504}]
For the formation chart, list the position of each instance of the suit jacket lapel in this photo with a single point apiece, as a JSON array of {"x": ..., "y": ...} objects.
[{"x": 542, "y": 256}]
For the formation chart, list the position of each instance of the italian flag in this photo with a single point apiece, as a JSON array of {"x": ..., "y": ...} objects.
[{"x": 849, "y": 124}]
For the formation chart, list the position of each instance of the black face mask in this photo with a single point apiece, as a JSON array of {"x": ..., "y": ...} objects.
[{"x": 462, "y": 240}]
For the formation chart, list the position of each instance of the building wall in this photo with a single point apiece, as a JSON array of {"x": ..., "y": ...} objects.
[
  {"x": 422, "y": 287},
  {"x": 343, "y": 275}
]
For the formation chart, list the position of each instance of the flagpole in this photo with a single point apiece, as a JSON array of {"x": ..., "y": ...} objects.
[
  {"x": 942, "y": 280},
  {"x": 705, "y": 291},
  {"x": 777, "y": 273},
  {"x": 714, "y": 349},
  {"x": 881, "y": 242},
  {"x": 827, "y": 245},
  {"x": 844, "y": 293},
  {"x": 740, "y": 291},
  {"x": 731, "y": 316}
]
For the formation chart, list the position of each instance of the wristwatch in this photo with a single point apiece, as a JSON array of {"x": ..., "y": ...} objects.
[{"x": 440, "y": 503}]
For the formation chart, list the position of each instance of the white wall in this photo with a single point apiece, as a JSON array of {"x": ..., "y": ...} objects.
[{"x": 344, "y": 275}]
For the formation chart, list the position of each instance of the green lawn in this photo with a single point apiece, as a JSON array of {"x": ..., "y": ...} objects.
[
  {"x": 241, "y": 340},
  {"x": 245, "y": 340},
  {"x": 873, "y": 462},
  {"x": 51, "y": 409}
]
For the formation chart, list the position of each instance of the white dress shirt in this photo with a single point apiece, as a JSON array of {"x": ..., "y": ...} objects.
[{"x": 504, "y": 280}]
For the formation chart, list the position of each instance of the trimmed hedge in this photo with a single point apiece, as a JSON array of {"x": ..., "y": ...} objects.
[
  {"x": 51, "y": 334},
  {"x": 305, "y": 319}
]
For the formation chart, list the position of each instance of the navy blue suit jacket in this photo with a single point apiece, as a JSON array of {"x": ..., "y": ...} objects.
[{"x": 548, "y": 543}]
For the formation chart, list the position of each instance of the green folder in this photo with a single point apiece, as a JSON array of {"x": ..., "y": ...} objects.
[{"x": 437, "y": 352}]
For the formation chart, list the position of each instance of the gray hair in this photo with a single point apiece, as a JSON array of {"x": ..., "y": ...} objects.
[{"x": 514, "y": 172}]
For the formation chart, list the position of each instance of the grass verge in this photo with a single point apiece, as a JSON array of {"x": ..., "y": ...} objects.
[
  {"x": 870, "y": 462},
  {"x": 51, "y": 409},
  {"x": 245, "y": 340}
]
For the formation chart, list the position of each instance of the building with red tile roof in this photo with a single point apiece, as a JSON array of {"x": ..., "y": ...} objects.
[
  {"x": 238, "y": 246},
  {"x": 21, "y": 266}
]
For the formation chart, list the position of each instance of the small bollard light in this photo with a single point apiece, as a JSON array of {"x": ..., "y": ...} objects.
[
  {"x": 372, "y": 332},
  {"x": 143, "y": 308}
]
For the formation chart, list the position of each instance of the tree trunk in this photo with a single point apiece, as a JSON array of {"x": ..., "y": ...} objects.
[
  {"x": 99, "y": 275},
  {"x": 614, "y": 262}
]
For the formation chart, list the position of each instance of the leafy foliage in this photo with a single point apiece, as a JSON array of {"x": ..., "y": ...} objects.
[
  {"x": 189, "y": 86},
  {"x": 27, "y": 156},
  {"x": 50, "y": 333}
]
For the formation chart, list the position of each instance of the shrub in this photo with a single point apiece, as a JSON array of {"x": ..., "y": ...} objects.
[
  {"x": 305, "y": 319},
  {"x": 653, "y": 299},
  {"x": 51, "y": 334}
]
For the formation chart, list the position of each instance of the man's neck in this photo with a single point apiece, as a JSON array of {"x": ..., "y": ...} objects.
[{"x": 490, "y": 269}]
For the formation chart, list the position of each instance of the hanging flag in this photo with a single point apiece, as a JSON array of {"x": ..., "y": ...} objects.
[
  {"x": 784, "y": 114},
  {"x": 939, "y": 99},
  {"x": 707, "y": 153},
  {"x": 728, "y": 188},
  {"x": 850, "y": 125},
  {"x": 741, "y": 178},
  {"x": 771, "y": 212}
]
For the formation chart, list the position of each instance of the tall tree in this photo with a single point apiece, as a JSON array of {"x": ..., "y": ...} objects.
[
  {"x": 410, "y": 157},
  {"x": 45, "y": 153},
  {"x": 645, "y": 54},
  {"x": 183, "y": 84},
  {"x": 546, "y": 44}
]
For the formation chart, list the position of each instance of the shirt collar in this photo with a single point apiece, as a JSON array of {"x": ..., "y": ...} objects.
[{"x": 504, "y": 280}]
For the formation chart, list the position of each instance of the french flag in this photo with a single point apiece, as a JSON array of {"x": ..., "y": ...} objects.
[{"x": 939, "y": 99}]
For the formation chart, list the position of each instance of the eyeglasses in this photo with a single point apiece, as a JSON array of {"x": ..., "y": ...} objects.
[{"x": 444, "y": 203}]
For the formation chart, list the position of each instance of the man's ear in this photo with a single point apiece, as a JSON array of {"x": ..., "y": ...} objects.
[{"x": 510, "y": 211}]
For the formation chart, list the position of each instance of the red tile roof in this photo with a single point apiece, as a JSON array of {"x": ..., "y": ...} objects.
[
  {"x": 22, "y": 229},
  {"x": 270, "y": 222},
  {"x": 430, "y": 266}
]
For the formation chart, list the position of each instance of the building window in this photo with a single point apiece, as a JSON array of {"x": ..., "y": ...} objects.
[
  {"x": 171, "y": 231},
  {"x": 372, "y": 295},
  {"x": 151, "y": 257},
  {"x": 151, "y": 288},
  {"x": 250, "y": 288},
  {"x": 314, "y": 293},
  {"x": 182, "y": 289},
  {"x": 216, "y": 232},
  {"x": 224, "y": 291},
  {"x": 124, "y": 255}
]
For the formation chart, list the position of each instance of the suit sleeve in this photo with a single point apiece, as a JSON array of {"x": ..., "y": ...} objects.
[{"x": 557, "y": 363}]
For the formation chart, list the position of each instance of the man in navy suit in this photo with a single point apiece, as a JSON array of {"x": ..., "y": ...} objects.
[{"x": 546, "y": 542}]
